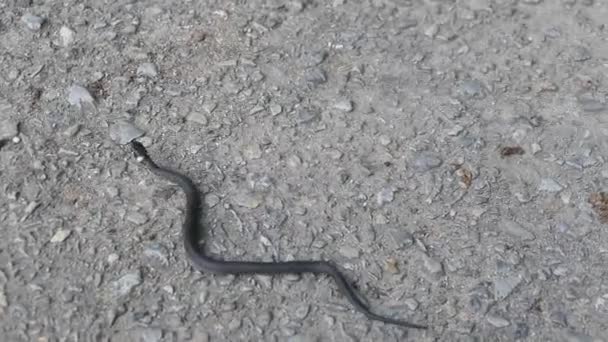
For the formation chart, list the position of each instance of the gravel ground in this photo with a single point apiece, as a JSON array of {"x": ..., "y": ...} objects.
[{"x": 448, "y": 155}]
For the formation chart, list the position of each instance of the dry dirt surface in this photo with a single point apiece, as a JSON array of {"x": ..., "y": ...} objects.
[{"x": 449, "y": 156}]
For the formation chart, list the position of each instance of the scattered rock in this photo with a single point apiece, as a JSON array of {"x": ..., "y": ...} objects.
[
  {"x": 549, "y": 185},
  {"x": 580, "y": 54},
  {"x": 350, "y": 252},
  {"x": 79, "y": 95},
  {"x": 123, "y": 132},
  {"x": 315, "y": 76},
  {"x": 252, "y": 151},
  {"x": 8, "y": 129},
  {"x": 147, "y": 70},
  {"x": 211, "y": 200},
  {"x": 248, "y": 200},
  {"x": 275, "y": 109},
  {"x": 391, "y": 265},
  {"x": 411, "y": 303},
  {"x": 516, "y": 230},
  {"x": 426, "y": 162},
  {"x": 72, "y": 130},
  {"x": 158, "y": 252},
  {"x": 67, "y": 36},
  {"x": 112, "y": 258},
  {"x": 150, "y": 335},
  {"x": 137, "y": 218},
  {"x": 498, "y": 321},
  {"x": 344, "y": 106},
  {"x": 301, "y": 312},
  {"x": 384, "y": 140},
  {"x": 33, "y": 22},
  {"x": 199, "y": 118},
  {"x": 504, "y": 286},
  {"x": 169, "y": 289},
  {"x": 433, "y": 267},
  {"x": 3, "y": 301},
  {"x": 473, "y": 88},
  {"x": 61, "y": 235},
  {"x": 125, "y": 284},
  {"x": 307, "y": 115},
  {"x": 385, "y": 195}
]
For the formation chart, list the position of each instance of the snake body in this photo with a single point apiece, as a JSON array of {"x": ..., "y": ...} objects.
[{"x": 205, "y": 263}]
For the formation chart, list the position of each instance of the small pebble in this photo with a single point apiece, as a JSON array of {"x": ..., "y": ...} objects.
[
  {"x": 112, "y": 258},
  {"x": 150, "y": 335},
  {"x": 350, "y": 252},
  {"x": 169, "y": 289},
  {"x": 498, "y": 321},
  {"x": 211, "y": 200},
  {"x": 72, "y": 130},
  {"x": 411, "y": 304},
  {"x": 456, "y": 130},
  {"x": 8, "y": 129},
  {"x": 391, "y": 265},
  {"x": 426, "y": 162},
  {"x": 198, "y": 118},
  {"x": 158, "y": 252},
  {"x": 315, "y": 76},
  {"x": 61, "y": 235},
  {"x": 472, "y": 88},
  {"x": 67, "y": 36},
  {"x": 147, "y": 70},
  {"x": 33, "y": 22},
  {"x": 137, "y": 218},
  {"x": 3, "y": 301},
  {"x": 307, "y": 115},
  {"x": 275, "y": 109},
  {"x": 384, "y": 140},
  {"x": 516, "y": 230},
  {"x": 549, "y": 185},
  {"x": 252, "y": 151},
  {"x": 344, "y": 106},
  {"x": 433, "y": 267},
  {"x": 504, "y": 286},
  {"x": 123, "y": 132},
  {"x": 247, "y": 200},
  {"x": 78, "y": 95},
  {"x": 126, "y": 283},
  {"x": 385, "y": 195}
]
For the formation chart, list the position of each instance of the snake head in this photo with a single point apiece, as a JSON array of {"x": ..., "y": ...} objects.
[{"x": 139, "y": 149}]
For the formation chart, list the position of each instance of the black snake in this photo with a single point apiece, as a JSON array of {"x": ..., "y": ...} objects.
[{"x": 204, "y": 263}]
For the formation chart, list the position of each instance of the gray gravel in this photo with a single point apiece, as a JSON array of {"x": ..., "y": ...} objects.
[{"x": 364, "y": 132}]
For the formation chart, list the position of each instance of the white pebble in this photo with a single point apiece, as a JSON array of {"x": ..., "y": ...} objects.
[
  {"x": 147, "y": 69},
  {"x": 61, "y": 235},
  {"x": 344, "y": 105},
  {"x": 67, "y": 36},
  {"x": 78, "y": 95},
  {"x": 33, "y": 22}
]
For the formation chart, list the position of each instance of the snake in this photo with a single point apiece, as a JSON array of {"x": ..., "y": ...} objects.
[{"x": 207, "y": 264}]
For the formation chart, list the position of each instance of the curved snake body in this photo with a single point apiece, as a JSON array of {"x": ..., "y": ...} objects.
[{"x": 205, "y": 263}]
